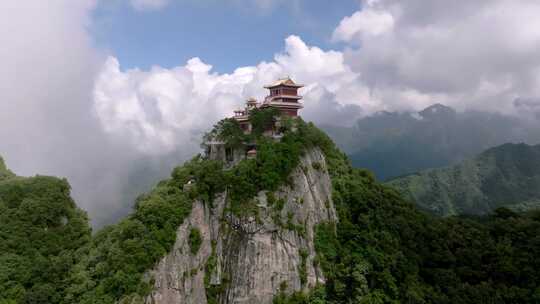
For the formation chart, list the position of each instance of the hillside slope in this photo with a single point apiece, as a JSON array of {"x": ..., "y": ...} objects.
[
  {"x": 247, "y": 258},
  {"x": 266, "y": 228},
  {"x": 504, "y": 176},
  {"x": 41, "y": 231},
  {"x": 218, "y": 234}
]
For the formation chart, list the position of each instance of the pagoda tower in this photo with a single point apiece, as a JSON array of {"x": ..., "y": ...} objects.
[
  {"x": 242, "y": 116},
  {"x": 284, "y": 97}
]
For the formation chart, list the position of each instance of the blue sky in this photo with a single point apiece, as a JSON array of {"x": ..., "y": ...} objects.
[{"x": 225, "y": 34}]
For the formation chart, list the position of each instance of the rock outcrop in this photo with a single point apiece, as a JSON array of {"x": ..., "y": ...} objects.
[{"x": 250, "y": 259}]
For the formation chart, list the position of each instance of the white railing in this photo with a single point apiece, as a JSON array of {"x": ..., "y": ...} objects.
[{"x": 270, "y": 98}]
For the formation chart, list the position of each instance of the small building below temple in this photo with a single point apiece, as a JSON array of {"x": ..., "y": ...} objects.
[{"x": 283, "y": 96}]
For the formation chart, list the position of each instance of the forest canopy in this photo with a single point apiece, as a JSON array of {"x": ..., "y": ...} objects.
[
  {"x": 382, "y": 249},
  {"x": 41, "y": 233}
]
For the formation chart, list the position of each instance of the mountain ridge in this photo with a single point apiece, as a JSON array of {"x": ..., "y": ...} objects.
[
  {"x": 502, "y": 176},
  {"x": 4, "y": 171}
]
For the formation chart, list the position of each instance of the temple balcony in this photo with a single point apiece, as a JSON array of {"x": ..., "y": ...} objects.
[
  {"x": 241, "y": 118},
  {"x": 282, "y": 96},
  {"x": 278, "y": 104}
]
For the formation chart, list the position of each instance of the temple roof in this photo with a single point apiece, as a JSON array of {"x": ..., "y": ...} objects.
[{"x": 285, "y": 82}]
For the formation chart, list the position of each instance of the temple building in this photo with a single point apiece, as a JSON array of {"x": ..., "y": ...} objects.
[{"x": 283, "y": 96}]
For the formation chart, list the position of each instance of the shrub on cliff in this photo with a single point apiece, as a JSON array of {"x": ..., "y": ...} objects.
[{"x": 195, "y": 240}]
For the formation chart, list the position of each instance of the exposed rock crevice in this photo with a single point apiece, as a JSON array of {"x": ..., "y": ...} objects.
[{"x": 251, "y": 257}]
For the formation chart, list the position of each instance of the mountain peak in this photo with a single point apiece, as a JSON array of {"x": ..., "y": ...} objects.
[
  {"x": 2, "y": 164},
  {"x": 437, "y": 110},
  {"x": 510, "y": 149},
  {"x": 503, "y": 176},
  {"x": 4, "y": 171}
]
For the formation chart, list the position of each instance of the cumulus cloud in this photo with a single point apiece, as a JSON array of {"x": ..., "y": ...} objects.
[
  {"x": 400, "y": 56},
  {"x": 368, "y": 22},
  {"x": 67, "y": 110},
  {"x": 468, "y": 54},
  {"x": 148, "y": 5},
  {"x": 47, "y": 119},
  {"x": 161, "y": 109}
]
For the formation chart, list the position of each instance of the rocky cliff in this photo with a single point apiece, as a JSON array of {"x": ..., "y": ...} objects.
[{"x": 250, "y": 259}]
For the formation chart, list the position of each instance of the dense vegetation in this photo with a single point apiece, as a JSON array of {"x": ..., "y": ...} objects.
[
  {"x": 113, "y": 265},
  {"x": 383, "y": 250},
  {"x": 115, "y": 262},
  {"x": 228, "y": 130},
  {"x": 275, "y": 159},
  {"x": 504, "y": 176},
  {"x": 41, "y": 232}
]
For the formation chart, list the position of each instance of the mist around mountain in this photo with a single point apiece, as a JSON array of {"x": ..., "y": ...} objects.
[
  {"x": 391, "y": 144},
  {"x": 504, "y": 176},
  {"x": 142, "y": 176}
]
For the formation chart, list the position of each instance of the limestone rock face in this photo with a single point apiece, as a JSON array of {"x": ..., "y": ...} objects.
[{"x": 248, "y": 259}]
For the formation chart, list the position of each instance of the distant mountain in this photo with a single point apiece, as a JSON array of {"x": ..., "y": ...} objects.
[
  {"x": 392, "y": 144},
  {"x": 504, "y": 176}
]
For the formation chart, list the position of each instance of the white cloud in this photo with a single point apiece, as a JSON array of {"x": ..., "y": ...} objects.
[
  {"x": 162, "y": 109},
  {"x": 368, "y": 22},
  {"x": 66, "y": 111},
  {"x": 47, "y": 72},
  {"x": 148, "y": 5},
  {"x": 47, "y": 126},
  {"x": 468, "y": 54}
]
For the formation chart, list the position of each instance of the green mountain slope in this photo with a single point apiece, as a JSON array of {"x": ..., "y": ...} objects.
[
  {"x": 41, "y": 232},
  {"x": 4, "y": 171},
  {"x": 119, "y": 255},
  {"x": 504, "y": 176},
  {"x": 382, "y": 249}
]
